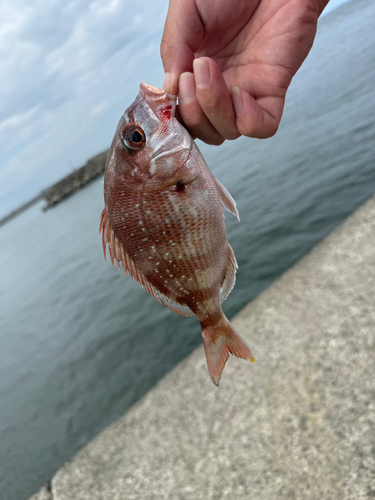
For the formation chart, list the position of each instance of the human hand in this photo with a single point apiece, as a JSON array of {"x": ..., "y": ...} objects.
[{"x": 231, "y": 63}]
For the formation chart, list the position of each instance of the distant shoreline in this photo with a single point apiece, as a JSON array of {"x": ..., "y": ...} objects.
[
  {"x": 21, "y": 209},
  {"x": 65, "y": 187}
]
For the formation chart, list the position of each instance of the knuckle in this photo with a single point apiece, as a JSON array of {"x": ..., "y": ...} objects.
[
  {"x": 209, "y": 136},
  {"x": 215, "y": 141},
  {"x": 166, "y": 51},
  {"x": 259, "y": 132},
  {"x": 232, "y": 135},
  {"x": 208, "y": 100},
  {"x": 192, "y": 121},
  {"x": 209, "y": 105}
]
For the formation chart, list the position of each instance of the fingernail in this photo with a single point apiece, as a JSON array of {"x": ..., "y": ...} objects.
[
  {"x": 170, "y": 83},
  {"x": 187, "y": 90},
  {"x": 201, "y": 73},
  {"x": 167, "y": 81},
  {"x": 235, "y": 92}
]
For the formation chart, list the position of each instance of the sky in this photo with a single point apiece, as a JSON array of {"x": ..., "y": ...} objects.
[{"x": 68, "y": 70}]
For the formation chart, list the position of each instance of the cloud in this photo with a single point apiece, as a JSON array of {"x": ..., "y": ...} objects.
[
  {"x": 98, "y": 109},
  {"x": 67, "y": 93},
  {"x": 67, "y": 72},
  {"x": 17, "y": 120}
]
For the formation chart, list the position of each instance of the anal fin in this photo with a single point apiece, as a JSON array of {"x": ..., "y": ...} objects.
[{"x": 230, "y": 276}]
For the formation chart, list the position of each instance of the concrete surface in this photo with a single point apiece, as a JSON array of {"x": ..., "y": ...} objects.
[
  {"x": 43, "y": 494},
  {"x": 299, "y": 424}
]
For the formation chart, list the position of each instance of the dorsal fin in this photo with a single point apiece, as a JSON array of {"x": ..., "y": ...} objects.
[
  {"x": 118, "y": 253},
  {"x": 226, "y": 199},
  {"x": 230, "y": 276}
]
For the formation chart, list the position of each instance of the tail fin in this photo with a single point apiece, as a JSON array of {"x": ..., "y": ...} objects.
[{"x": 220, "y": 340}]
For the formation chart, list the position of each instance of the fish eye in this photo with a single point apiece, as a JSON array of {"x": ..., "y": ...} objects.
[{"x": 134, "y": 138}]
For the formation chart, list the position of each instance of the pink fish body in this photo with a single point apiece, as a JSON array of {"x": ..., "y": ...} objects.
[{"x": 163, "y": 220}]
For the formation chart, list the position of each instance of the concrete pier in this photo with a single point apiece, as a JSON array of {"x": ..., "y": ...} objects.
[{"x": 299, "y": 424}]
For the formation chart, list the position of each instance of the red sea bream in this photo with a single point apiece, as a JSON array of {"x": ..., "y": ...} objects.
[{"x": 164, "y": 222}]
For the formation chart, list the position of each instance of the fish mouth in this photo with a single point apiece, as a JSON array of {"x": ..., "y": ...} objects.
[
  {"x": 158, "y": 99},
  {"x": 152, "y": 90}
]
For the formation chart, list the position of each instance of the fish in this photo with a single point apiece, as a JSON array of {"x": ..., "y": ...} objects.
[{"x": 164, "y": 221}]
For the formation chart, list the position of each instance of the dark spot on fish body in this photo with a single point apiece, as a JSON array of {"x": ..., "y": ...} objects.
[{"x": 180, "y": 188}]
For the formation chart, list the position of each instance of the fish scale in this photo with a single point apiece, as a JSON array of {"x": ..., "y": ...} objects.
[{"x": 163, "y": 220}]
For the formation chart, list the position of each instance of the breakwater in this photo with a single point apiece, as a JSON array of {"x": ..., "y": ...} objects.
[
  {"x": 74, "y": 181},
  {"x": 65, "y": 187}
]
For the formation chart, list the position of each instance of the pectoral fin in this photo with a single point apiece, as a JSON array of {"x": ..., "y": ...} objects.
[{"x": 226, "y": 199}]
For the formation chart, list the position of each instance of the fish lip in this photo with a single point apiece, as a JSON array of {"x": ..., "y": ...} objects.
[{"x": 151, "y": 89}]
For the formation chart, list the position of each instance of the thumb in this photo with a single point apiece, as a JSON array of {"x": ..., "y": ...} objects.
[{"x": 182, "y": 36}]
